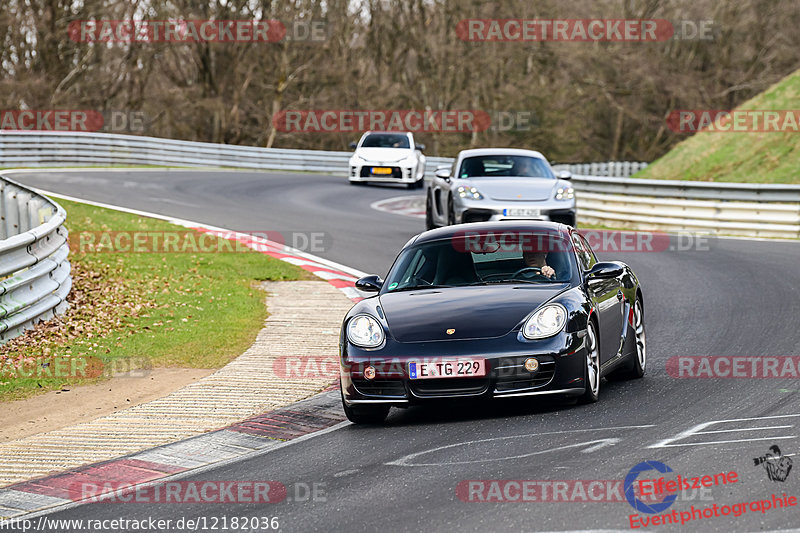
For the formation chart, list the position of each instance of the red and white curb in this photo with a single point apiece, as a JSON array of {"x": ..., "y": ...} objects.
[
  {"x": 409, "y": 206},
  {"x": 341, "y": 277},
  {"x": 254, "y": 436}
]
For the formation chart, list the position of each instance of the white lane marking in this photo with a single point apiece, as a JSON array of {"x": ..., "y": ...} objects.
[
  {"x": 344, "y": 473},
  {"x": 698, "y": 430},
  {"x": 410, "y": 209},
  {"x": 602, "y": 444},
  {"x": 599, "y": 443},
  {"x": 740, "y": 429}
]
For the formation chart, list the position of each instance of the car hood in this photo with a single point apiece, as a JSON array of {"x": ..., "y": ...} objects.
[
  {"x": 383, "y": 155},
  {"x": 474, "y": 312},
  {"x": 513, "y": 189}
]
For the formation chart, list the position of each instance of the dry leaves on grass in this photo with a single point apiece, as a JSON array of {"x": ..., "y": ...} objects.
[{"x": 102, "y": 302}]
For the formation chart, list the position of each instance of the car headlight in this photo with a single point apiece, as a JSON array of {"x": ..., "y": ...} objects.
[
  {"x": 469, "y": 192},
  {"x": 545, "y": 322},
  {"x": 565, "y": 193},
  {"x": 365, "y": 331}
]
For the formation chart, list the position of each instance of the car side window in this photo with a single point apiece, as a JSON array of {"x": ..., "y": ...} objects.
[
  {"x": 582, "y": 251},
  {"x": 589, "y": 252}
]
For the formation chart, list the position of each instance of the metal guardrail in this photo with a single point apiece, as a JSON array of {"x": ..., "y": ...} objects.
[
  {"x": 619, "y": 169},
  {"x": 64, "y": 148},
  {"x": 746, "y": 209},
  {"x": 606, "y": 194},
  {"x": 34, "y": 270}
]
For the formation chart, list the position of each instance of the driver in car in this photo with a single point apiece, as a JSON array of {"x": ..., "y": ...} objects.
[
  {"x": 537, "y": 260},
  {"x": 524, "y": 167}
]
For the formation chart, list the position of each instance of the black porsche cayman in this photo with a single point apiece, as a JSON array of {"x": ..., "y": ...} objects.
[{"x": 498, "y": 310}]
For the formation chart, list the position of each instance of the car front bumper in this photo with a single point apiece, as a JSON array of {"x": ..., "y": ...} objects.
[
  {"x": 493, "y": 210},
  {"x": 562, "y": 364},
  {"x": 401, "y": 173}
]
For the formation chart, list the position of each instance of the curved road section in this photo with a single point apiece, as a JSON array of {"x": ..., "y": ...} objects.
[{"x": 520, "y": 465}]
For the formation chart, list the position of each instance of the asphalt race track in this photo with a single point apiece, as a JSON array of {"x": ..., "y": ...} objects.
[{"x": 723, "y": 297}]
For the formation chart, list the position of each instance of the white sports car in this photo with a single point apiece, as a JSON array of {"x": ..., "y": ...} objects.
[
  {"x": 387, "y": 157},
  {"x": 499, "y": 184}
]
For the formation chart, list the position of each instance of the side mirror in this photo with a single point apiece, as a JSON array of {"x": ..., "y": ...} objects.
[
  {"x": 353, "y": 146},
  {"x": 564, "y": 175},
  {"x": 605, "y": 271},
  {"x": 419, "y": 147},
  {"x": 443, "y": 172},
  {"x": 369, "y": 284}
]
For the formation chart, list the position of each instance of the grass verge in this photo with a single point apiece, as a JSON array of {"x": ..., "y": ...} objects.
[
  {"x": 139, "y": 310},
  {"x": 769, "y": 157}
]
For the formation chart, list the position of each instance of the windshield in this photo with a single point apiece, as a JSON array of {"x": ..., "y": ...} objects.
[
  {"x": 504, "y": 166},
  {"x": 483, "y": 259},
  {"x": 386, "y": 140}
]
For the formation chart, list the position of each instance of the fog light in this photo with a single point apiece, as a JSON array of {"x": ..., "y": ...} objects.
[
  {"x": 369, "y": 372},
  {"x": 531, "y": 365}
]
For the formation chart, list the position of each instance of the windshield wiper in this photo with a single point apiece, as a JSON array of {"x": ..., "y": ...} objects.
[
  {"x": 512, "y": 280},
  {"x": 418, "y": 287}
]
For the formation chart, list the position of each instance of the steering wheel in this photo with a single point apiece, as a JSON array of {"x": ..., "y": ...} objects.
[{"x": 536, "y": 270}]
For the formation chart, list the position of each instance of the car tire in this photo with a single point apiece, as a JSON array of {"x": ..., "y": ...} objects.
[
  {"x": 365, "y": 414},
  {"x": 638, "y": 363},
  {"x": 592, "y": 375},
  {"x": 451, "y": 213},
  {"x": 429, "y": 223}
]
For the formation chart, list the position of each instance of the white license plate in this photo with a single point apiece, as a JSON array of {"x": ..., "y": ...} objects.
[
  {"x": 447, "y": 368},
  {"x": 520, "y": 212}
]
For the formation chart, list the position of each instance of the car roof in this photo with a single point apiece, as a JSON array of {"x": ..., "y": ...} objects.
[
  {"x": 491, "y": 227},
  {"x": 397, "y": 132},
  {"x": 500, "y": 151}
]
